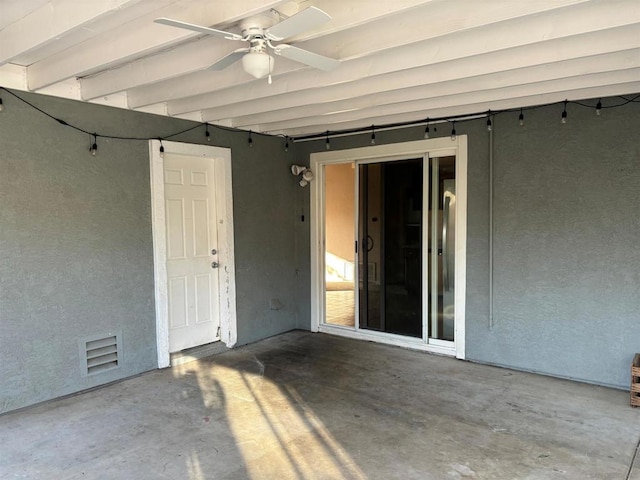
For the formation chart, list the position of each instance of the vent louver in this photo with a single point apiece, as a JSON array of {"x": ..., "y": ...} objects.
[{"x": 100, "y": 354}]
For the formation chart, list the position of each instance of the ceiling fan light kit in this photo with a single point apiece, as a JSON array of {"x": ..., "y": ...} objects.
[
  {"x": 260, "y": 33},
  {"x": 257, "y": 64}
]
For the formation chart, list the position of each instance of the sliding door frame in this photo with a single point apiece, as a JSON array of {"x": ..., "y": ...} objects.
[{"x": 426, "y": 149}]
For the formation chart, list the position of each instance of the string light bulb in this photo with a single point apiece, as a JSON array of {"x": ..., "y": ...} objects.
[
  {"x": 161, "y": 149},
  {"x": 327, "y": 144},
  {"x": 250, "y": 139},
  {"x": 563, "y": 118},
  {"x": 94, "y": 145},
  {"x": 453, "y": 131},
  {"x": 521, "y": 118},
  {"x": 1, "y": 105},
  {"x": 286, "y": 144},
  {"x": 489, "y": 124},
  {"x": 426, "y": 129},
  {"x": 206, "y": 132},
  {"x": 598, "y": 107},
  {"x": 373, "y": 136}
]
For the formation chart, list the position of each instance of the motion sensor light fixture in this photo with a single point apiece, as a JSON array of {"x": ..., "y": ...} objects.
[
  {"x": 297, "y": 169},
  {"x": 307, "y": 175}
]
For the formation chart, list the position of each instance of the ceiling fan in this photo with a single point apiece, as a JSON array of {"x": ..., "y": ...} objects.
[{"x": 260, "y": 31}]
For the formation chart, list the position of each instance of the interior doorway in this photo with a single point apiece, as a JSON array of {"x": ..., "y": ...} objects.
[
  {"x": 388, "y": 243},
  {"x": 193, "y": 246}
]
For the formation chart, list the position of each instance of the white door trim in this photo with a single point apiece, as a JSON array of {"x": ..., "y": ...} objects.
[
  {"x": 433, "y": 148},
  {"x": 224, "y": 200}
]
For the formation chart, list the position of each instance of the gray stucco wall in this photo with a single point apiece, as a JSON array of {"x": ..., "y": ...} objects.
[
  {"x": 567, "y": 264},
  {"x": 566, "y": 261},
  {"x": 76, "y": 241}
]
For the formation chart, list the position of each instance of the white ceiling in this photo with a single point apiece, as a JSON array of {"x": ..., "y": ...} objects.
[{"x": 401, "y": 60}]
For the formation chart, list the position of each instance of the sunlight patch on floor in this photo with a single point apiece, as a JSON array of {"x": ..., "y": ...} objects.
[{"x": 276, "y": 432}]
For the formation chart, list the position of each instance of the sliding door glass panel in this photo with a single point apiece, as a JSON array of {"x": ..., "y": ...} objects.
[
  {"x": 339, "y": 231},
  {"x": 442, "y": 215},
  {"x": 389, "y": 247}
]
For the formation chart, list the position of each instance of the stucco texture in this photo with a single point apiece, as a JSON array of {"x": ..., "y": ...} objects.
[
  {"x": 566, "y": 263},
  {"x": 76, "y": 241}
]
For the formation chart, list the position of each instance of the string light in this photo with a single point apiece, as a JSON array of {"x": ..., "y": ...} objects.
[
  {"x": 453, "y": 131},
  {"x": 489, "y": 124},
  {"x": 206, "y": 132},
  {"x": 250, "y": 139},
  {"x": 373, "y": 136},
  {"x": 94, "y": 146},
  {"x": 161, "y": 149},
  {"x": 286, "y": 144},
  {"x": 327, "y": 144},
  {"x": 624, "y": 100}
]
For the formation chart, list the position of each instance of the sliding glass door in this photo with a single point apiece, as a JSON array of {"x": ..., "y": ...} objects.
[
  {"x": 390, "y": 248},
  {"x": 389, "y": 252},
  {"x": 442, "y": 241}
]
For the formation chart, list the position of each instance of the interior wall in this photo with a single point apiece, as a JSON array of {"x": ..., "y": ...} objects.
[
  {"x": 566, "y": 266},
  {"x": 76, "y": 241},
  {"x": 340, "y": 209}
]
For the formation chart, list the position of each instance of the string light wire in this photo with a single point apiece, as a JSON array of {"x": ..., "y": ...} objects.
[
  {"x": 328, "y": 134},
  {"x": 449, "y": 119}
]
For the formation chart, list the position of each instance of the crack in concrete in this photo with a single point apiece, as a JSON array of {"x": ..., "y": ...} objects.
[{"x": 633, "y": 461}]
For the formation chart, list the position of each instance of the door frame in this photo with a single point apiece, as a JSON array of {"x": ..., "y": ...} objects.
[
  {"x": 224, "y": 206},
  {"x": 437, "y": 147}
]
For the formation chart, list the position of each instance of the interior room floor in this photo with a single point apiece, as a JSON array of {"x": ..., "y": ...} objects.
[{"x": 314, "y": 406}]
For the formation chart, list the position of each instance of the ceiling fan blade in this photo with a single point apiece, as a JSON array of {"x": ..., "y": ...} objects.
[
  {"x": 300, "y": 22},
  {"x": 227, "y": 60},
  {"x": 197, "y": 28},
  {"x": 304, "y": 56}
]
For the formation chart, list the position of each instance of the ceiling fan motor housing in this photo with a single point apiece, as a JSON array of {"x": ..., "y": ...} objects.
[{"x": 255, "y": 26}]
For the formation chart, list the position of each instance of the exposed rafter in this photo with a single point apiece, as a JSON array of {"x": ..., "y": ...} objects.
[{"x": 400, "y": 60}]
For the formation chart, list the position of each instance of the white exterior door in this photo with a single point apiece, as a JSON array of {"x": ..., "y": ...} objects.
[{"x": 192, "y": 251}]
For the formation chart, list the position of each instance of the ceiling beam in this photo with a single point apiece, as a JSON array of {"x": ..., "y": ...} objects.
[
  {"x": 138, "y": 38},
  {"x": 197, "y": 56},
  {"x": 89, "y": 30},
  {"x": 347, "y": 14},
  {"x": 430, "y": 21},
  {"x": 603, "y": 42},
  {"x": 13, "y": 76},
  {"x": 193, "y": 56},
  {"x": 371, "y": 36},
  {"x": 13, "y": 10},
  {"x": 609, "y": 63},
  {"x": 496, "y": 37},
  {"x": 425, "y": 106},
  {"x": 51, "y": 21},
  {"x": 473, "y": 107}
]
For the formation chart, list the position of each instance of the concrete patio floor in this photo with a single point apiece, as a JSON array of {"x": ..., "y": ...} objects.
[{"x": 313, "y": 406}]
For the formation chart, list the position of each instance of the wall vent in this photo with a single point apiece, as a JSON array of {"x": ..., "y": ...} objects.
[{"x": 100, "y": 353}]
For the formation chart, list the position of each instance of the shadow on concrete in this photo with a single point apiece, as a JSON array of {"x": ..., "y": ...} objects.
[{"x": 312, "y": 406}]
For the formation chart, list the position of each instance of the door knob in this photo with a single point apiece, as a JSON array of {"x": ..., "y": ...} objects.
[{"x": 215, "y": 264}]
